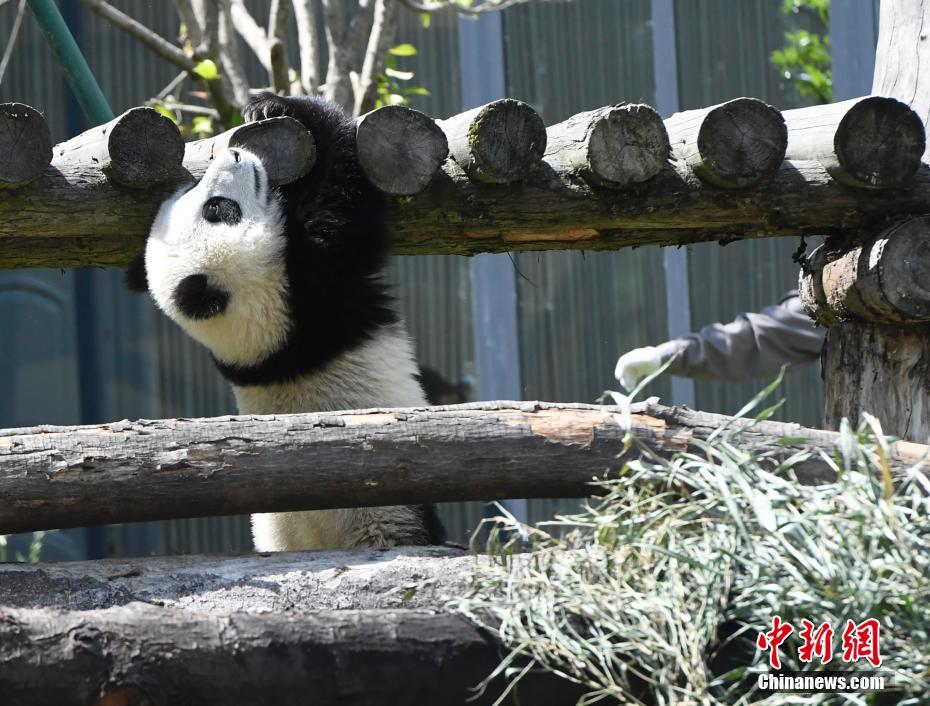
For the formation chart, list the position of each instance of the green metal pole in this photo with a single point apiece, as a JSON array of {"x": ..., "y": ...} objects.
[{"x": 72, "y": 62}]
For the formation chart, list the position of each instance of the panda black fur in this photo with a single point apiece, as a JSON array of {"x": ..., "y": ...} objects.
[{"x": 283, "y": 286}]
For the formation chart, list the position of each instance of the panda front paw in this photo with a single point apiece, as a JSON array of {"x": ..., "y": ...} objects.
[{"x": 267, "y": 105}]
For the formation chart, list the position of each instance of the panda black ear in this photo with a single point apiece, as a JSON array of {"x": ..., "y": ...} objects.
[{"x": 136, "y": 278}]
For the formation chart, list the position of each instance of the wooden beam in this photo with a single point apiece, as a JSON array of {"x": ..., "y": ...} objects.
[
  {"x": 145, "y": 654},
  {"x": 497, "y": 143},
  {"x": 400, "y": 149},
  {"x": 276, "y": 582},
  {"x": 732, "y": 145},
  {"x": 617, "y": 147},
  {"x": 886, "y": 280},
  {"x": 25, "y": 143},
  {"x": 872, "y": 142},
  {"x": 72, "y": 216},
  {"x": 54, "y": 477},
  {"x": 139, "y": 149}
]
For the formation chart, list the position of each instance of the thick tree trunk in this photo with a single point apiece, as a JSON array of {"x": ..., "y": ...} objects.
[
  {"x": 875, "y": 367},
  {"x": 144, "y": 654},
  {"x": 54, "y": 477}
]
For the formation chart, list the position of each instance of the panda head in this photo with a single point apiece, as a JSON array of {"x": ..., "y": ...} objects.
[{"x": 275, "y": 281}]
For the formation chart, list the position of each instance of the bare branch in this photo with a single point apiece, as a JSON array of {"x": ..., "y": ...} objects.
[
  {"x": 172, "y": 86},
  {"x": 14, "y": 35},
  {"x": 253, "y": 34},
  {"x": 382, "y": 35},
  {"x": 186, "y": 13},
  {"x": 308, "y": 41},
  {"x": 143, "y": 34},
  {"x": 228, "y": 46},
  {"x": 338, "y": 86},
  {"x": 277, "y": 45},
  {"x": 431, "y": 7}
]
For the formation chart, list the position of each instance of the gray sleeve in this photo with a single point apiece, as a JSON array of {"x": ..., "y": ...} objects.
[{"x": 752, "y": 345}]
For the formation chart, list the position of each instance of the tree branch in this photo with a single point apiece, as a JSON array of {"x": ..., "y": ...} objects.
[
  {"x": 338, "y": 86},
  {"x": 230, "y": 60},
  {"x": 277, "y": 44},
  {"x": 141, "y": 33},
  {"x": 253, "y": 34},
  {"x": 379, "y": 41},
  {"x": 308, "y": 40}
]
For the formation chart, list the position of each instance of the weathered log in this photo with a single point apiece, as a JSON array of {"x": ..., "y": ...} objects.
[
  {"x": 886, "y": 280},
  {"x": 870, "y": 367},
  {"x": 70, "y": 216},
  {"x": 872, "y": 142},
  {"x": 278, "y": 582},
  {"x": 734, "y": 144},
  {"x": 496, "y": 143},
  {"x": 54, "y": 476},
  {"x": 900, "y": 61},
  {"x": 25, "y": 143},
  {"x": 139, "y": 149},
  {"x": 285, "y": 147},
  {"x": 144, "y": 654},
  {"x": 616, "y": 146},
  {"x": 400, "y": 149}
]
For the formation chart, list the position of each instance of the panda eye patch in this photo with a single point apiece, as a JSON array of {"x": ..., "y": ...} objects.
[{"x": 222, "y": 210}]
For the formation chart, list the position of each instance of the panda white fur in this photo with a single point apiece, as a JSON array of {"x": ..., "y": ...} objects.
[{"x": 282, "y": 285}]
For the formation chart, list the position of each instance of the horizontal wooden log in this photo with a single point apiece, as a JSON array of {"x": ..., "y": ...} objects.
[
  {"x": 278, "y": 582},
  {"x": 497, "y": 143},
  {"x": 54, "y": 477},
  {"x": 733, "y": 145},
  {"x": 25, "y": 145},
  {"x": 144, "y": 654},
  {"x": 285, "y": 147},
  {"x": 138, "y": 149},
  {"x": 872, "y": 142},
  {"x": 615, "y": 147},
  {"x": 71, "y": 217},
  {"x": 400, "y": 149},
  {"x": 885, "y": 280}
]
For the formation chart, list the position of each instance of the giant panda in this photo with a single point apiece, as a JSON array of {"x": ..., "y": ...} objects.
[{"x": 282, "y": 285}]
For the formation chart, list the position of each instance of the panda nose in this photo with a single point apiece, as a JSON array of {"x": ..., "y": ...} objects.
[{"x": 197, "y": 299}]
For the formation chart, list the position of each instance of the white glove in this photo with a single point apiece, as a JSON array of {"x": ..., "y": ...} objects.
[{"x": 636, "y": 364}]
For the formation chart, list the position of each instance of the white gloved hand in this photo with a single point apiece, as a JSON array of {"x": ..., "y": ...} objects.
[{"x": 636, "y": 364}]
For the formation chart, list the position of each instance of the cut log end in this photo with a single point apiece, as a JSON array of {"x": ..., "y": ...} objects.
[
  {"x": 628, "y": 145},
  {"x": 886, "y": 280},
  {"x": 400, "y": 149},
  {"x": 497, "y": 143},
  {"x": 740, "y": 142},
  {"x": 25, "y": 143},
  {"x": 879, "y": 144},
  {"x": 145, "y": 149},
  {"x": 285, "y": 147}
]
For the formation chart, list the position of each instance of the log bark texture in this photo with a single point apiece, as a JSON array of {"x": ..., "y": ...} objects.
[
  {"x": 879, "y": 368},
  {"x": 497, "y": 143},
  {"x": 733, "y": 145},
  {"x": 279, "y": 582},
  {"x": 400, "y": 149},
  {"x": 53, "y": 477},
  {"x": 615, "y": 147},
  {"x": 138, "y": 149},
  {"x": 886, "y": 280},
  {"x": 25, "y": 145},
  {"x": 143, "y": 654},
  {"x": 872, "y": 142}
]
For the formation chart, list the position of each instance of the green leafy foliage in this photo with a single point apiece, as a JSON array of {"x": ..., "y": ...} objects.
[
  {"x": 34, "y": 552},
  {"x": 805, "y": 59},
  {"x": 392, "y": 88},
  {"x": 206, "y": 69}
]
